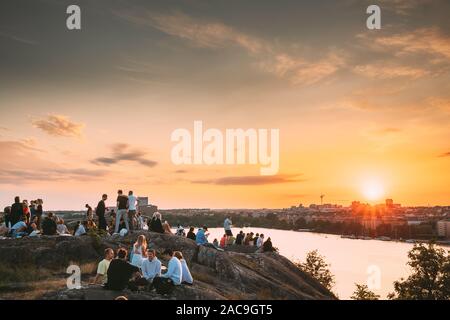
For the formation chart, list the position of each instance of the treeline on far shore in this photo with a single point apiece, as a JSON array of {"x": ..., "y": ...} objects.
[{"x": 426, "y": 231}]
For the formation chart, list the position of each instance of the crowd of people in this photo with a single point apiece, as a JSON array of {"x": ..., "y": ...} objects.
[
  {"x": 145, "y": 271},
  {"x": 228, "y": 239}
]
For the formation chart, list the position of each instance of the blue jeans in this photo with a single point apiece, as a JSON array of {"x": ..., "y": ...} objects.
[{"x": 121, "y": 214}]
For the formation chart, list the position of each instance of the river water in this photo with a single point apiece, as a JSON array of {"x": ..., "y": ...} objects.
[{"x": 352, "y": 261}]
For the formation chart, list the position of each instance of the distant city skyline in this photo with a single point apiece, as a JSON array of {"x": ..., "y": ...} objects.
[{"x": 362, "y": 114}]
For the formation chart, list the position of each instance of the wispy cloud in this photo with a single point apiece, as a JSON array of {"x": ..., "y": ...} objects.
[
  {"x": 389, "y": 72},
  {"x": 24, "y": 165},
  {"x": 389, "y": 130},
  {"x": 59, "y": 126},
  {"x": 123, "y": 152},
  {"x": 429, "y": 41},
  {"x": 17, "y": 39},
  {"x": 403, "y": 7},
  {"x": 216, "y": 35},
  {"x": 204, "y": 34},
  {"x": 251, "y": 180}
]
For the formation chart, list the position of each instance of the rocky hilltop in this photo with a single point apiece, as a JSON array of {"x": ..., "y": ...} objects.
[{"x": 217, "y": 275}]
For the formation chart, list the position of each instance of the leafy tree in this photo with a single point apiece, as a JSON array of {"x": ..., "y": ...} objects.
[
  {"x": 318, "y": 268},
  {"x": 362, "y": 292},
  {"x": 430, "y": 279}
]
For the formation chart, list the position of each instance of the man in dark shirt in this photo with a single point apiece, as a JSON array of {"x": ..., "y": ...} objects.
[
  {"x": 122, "y": 203},
  {"x": 49, "y": 225},
  {"x": 120, "y": 272},
  {"x": 191, "y": 234},
  {"x": 100, "y": 211},
  {"x": 239, "y": 238},
  {"x": 7, "y": 212},
  {"x": 39, "y": 212},
  {"x": 16, "y": 211}
]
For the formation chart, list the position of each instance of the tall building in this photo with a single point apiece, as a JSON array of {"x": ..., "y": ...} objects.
[
  {"x": 443, "y": 228},
  {"x": 389, "y": 203},
  {"x": 143, "y": 201}
]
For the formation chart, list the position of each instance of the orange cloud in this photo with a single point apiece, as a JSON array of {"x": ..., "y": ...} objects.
[
  {"x": 59, "y": 126},
  {"x": 389, "y": 72},
  {"x": 251, "y": 180}
]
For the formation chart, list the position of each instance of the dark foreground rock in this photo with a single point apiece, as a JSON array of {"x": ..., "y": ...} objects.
[{"x": 217, "y": 274}]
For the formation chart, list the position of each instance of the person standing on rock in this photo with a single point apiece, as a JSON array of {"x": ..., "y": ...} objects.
[
  {"x": 100, "y": 212},
  {"x": 227, "y": 226},
  {"x": 39, "y": 212},
  {"x": 122, "y": 203},
  {"x": 132, "y": 204},
  {"x": 16, "y": 211}
]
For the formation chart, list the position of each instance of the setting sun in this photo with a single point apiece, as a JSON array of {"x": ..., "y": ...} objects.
[{"x": 373, "y": 190}]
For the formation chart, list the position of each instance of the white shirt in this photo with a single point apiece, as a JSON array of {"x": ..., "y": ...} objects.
[
  {"x": 80, "y": 231},
  {"x": 151, "y": 269},
  {"x": 174, "y": 271},
  {"x": 185, "y": 273},
  {"x": 132, "y": 202},
  {"x": 227, "y": 224},
  {"x": 259, "y": 242}
]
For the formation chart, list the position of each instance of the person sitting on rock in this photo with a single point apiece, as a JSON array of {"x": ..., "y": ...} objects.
[
  {"x": 166, "y": 227},
  {"x": 19, "y": 229},
  {"x": 165, "y": 283},
  {"x": 33, "y": 230},
  {"x": 120, "y": 272},
  {"x": 239, "y": 238},
  {"x": 248, "y": 238},
  {"x": 260, "y": 241},
  {"x": 49, "y": 225},
  {"x": 186, "y": 277},
  {"x": 61, "y": 228},
  {"x": 180, "y": 231},
  {"x": 151, "y": 267},
  {"x": 268, "y": 247},
  {"x": 156, "y": 224},
  {"x": 202, "y": 236},
  {"x": 215, "y": 243},
  {"x": 255, "y": 239},
  {"x": 139, "y": 251},
  {"x": 223, "y": 241},
  {"x": 231, "y": 240},
  {"x": 81, "y": 230},
  {"x": 191, "y": 234},
  {"x": 103, "y": 266}
]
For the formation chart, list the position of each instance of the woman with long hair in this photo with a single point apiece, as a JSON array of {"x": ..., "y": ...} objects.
[{"x": 139, "y": 251}]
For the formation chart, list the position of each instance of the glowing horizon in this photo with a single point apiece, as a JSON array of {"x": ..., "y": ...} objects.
[{"x": 362, "y": 114}]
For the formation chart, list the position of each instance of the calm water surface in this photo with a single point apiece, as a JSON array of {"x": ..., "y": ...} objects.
[{"x": 349, "y": 259}]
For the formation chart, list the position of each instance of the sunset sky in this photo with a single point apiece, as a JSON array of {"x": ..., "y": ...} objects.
[{"x": 90, "y": 111}]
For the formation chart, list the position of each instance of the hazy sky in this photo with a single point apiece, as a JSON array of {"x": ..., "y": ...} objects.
[{"x": 90, "y": 111}]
